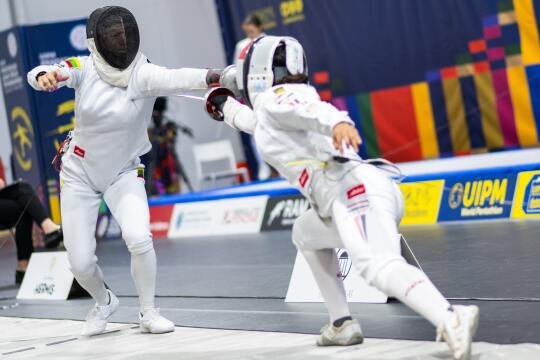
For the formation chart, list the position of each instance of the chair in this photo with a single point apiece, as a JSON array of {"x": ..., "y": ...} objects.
[{"x": 216, "y": 161}]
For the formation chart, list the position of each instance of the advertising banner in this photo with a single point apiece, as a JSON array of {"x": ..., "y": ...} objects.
[
  {"x": 303, "y": 288},
  {"x": 282, "y": 211},
  {"x": 478, "y": 197},
  {"x": 47, "y": 278},
  {"x": 526, "y": 202},
  {"x": 160, "y": 219},
  {"x": 422, "y": 201},
  {"x": 219, "y": 217},
  {"x": 24, "y": 133}
]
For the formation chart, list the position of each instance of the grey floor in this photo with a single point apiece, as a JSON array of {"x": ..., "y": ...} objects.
[{"x": 239, "y": 282}]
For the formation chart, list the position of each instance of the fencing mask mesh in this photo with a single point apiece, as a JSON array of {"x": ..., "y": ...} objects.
[{"x": 116, "y": 35}]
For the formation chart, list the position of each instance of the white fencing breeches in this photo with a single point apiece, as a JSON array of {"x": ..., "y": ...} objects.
[
  {"x": 365, "y": 207},
  {"x": 127, "y": 201}
]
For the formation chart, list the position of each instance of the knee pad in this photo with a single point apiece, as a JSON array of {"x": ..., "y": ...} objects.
[{"x": 83, "y": 269}]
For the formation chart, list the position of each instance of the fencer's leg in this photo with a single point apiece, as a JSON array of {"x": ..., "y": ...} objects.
[
  {"x": 316, "y": 241},
  {"x": 128, "y": 203},
  {"x": 79, "y": 215},
  {"x": 79, "y": 206},
  {"x": 371, "y": 236}
]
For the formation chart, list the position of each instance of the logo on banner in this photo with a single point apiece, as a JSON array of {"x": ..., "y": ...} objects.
[
  {"x": 77, "y": 37},
  {"x": 12, "y": 45},
  {"x": 527, "y": 197},
  {"x": 22, "y": 137},
  {"x": 160, "y": 218},
  {"x": 242, "y": 216},
  {"x": 282, "y": 211},
  {"x": 292, "y": 11},
  {"x": 345, "y": 263},
  {"x": 422, "y": 201},
  {"x": 532, "y": 194},
  {"x": 477, "y": 199}
]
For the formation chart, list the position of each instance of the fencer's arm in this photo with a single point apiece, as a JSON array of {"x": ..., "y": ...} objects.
[
  {"x": 69, "y": 73},
  {"x": 154, "y": 80},
  {"x": 316, "y": 116},
  {"x": 239, "y": 116}
]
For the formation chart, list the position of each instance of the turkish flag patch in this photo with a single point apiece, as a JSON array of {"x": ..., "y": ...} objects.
[
  {"x": 304, "y": 177},
  {"x": 355, "y": 191},
  {"x": 78, "y": 151}
]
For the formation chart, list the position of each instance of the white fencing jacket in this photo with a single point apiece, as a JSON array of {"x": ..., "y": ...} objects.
[
  {"x": 111, "y": 122},
  {"x": 292, "y": 129}
]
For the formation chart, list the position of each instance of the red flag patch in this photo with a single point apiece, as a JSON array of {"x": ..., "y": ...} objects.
[
  {"x": 355, "y": 191},
  {"x": 304, "y": 177},
  {"x": 78, "y": 151}
]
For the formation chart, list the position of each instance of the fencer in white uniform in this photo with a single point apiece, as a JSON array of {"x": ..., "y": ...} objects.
[
  {"x": 115, "y": 90},
  {"x": 356, "y": 205}
]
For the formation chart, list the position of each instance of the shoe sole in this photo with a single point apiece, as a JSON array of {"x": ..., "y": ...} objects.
[
  {"x": 146, "y": 330},
  {"x": 355, "y": 340}
]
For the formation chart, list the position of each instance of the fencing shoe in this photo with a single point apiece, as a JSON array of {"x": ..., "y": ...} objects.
[
  {"x": 152, "y": 322},
  {"x": 458, "y": 330},
  {"x": 96, "y": 320},
  {"x": 348, "y": 333}
]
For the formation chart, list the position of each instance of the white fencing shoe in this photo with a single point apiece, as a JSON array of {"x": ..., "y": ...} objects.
[
  {"x": 152, "y": 322},
  {"x": 96, "y": 320},
  {"x": 458, "y": 330},
  {"x": 349, "y": 333}
]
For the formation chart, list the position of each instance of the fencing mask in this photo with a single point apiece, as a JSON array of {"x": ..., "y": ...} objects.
[
  {"x": 257, "y": 69},
  {"x": 115, "y": 35}
]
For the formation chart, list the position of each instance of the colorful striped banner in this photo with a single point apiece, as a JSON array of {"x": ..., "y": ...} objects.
[
  {"x": 521, "y": 102},
  {"x": 533, "y": 78},
  {"x": 456, "y": 116},
  {"x": 367, "y": 126},
  {"x": 394, "y": 117},
  {"x": 440, "y": 117},
  {"x": 424, "y": 120},
  {"x": 472, "y": 113},
  {"x": 487, "y": 104},
  {"x": 505, "y": 107},
  {"x": 528, "y": 31}
]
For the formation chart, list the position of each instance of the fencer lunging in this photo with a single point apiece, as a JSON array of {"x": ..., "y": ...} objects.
[
  {"x": 356, "y": 205},
  {"x": 115, "y": 89}
]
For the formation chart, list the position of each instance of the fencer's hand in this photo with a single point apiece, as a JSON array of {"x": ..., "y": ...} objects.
[
  {"x": 345, "y": 133},
  {"x": 49, "y": 81},
  {"x": 2, "y": 184},
  {"x": 215, "y": 101},
  {"x": 212, "y": 77}
]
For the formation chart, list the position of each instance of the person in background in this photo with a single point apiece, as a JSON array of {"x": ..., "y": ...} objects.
[
  {"x": 20, "y": 208},
  {"x": 163, "y": 165},
  {"x": 253, "y": 29}
]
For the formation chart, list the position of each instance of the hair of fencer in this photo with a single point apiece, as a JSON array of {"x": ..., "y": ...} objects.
[{"x": 279, "y": 65}]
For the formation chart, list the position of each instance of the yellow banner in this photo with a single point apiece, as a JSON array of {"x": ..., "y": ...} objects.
[
  {"x": 526, "y": 202},
  {"x": 422, "y": 201}
]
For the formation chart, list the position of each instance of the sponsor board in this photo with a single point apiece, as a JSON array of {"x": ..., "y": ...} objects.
[
  {"x": 482, "y": 197},
  {"x": 282, "y": 211},
  {"x": 219, "y": 217},
  {"x": 47, "y": 278},
  {"x": 526, "y": 202},
  {"x": 422, "y": 201},
  {"x": 160, "y": 219},
  {"x": 303, "y": 288}
]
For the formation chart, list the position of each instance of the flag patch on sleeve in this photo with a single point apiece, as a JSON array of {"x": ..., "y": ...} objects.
[{"x": 73, "y": 63}]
